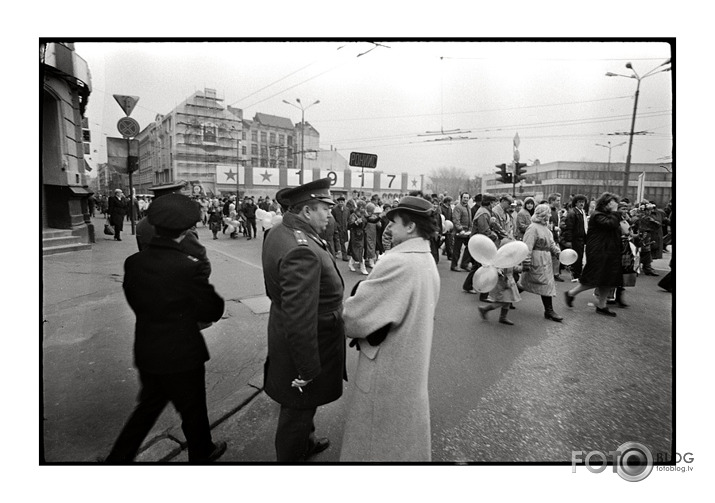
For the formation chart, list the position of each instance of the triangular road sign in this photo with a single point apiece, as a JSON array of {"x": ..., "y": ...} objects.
[{"x": 126, "y": 102}]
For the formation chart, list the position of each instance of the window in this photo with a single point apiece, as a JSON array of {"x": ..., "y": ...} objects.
[
  {"x": 273, "y": 138},
  {"x": 254, "y": 161},
  {"x": 264, "y": 137},
  {"x": 290, "y": 140},
  {"x": 243, "y": 150},
  {"x": 254, "y": 149},
  {"x": 209, "y": 133},
  {"x": 254, "y": 135},
  {"x": 281, "y": 139},
  {"x": 264, "y": 151},
  {"x": 243, "y": 135},
  {"x": 264, "y": 162}
]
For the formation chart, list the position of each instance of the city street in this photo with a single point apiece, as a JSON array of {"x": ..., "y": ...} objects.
[{"x": 532, "y": 392}]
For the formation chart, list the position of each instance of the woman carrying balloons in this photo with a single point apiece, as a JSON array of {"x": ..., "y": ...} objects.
[
  {"x": 496, "y": 274},
  {"x": 538, "y": 275}
]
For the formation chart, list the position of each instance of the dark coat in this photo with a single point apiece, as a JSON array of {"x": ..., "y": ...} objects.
[
  {"x": 117, "y": 210},
  {"x": 573, "y": 234},
  {"x": 603, "y": 250},
  {"x": 170, "y": 295},
  {"x": 306, "y": 334},
  {"x": 189, "y": 245},
  {"x": 341, "y": 219}
]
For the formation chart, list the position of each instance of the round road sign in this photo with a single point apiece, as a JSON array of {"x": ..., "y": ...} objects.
[{"x": 128, "y": 127}]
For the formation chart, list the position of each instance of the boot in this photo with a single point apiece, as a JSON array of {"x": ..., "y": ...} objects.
[
  {"x": 363, "y": 269},
  {"x": 502, "y": 316},
  {"x": 351, "y": 264},
  {"x": 551, "y": 315},
  {"x": 619, "y": 297}
]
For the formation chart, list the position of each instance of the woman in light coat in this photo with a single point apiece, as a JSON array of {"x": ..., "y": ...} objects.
[
  {"x": 538, "y": 275},
  {"x": 391, "y": 316}
]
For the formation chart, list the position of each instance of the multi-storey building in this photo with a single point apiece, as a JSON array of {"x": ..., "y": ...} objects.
[
  {"x": 590, "y": 179},
  {"x": 66, "y": 88}
]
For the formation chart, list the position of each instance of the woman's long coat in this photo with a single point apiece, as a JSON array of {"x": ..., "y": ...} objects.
[
  {"x": 388, "y": 415},
  {"x": 117, "y": 211},
  {"x": 538, "y": 278},
  {"x": 356, "y": 224},
  {"x": 603, "y": 250}
]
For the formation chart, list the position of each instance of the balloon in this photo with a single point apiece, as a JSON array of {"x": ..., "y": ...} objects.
[
  {"x": 231, "y": 229},
  {"x": 448, "y": 226},
  {"x": 482, "y": 249},
  {"x": 485, "y": 279},
  {"x": 568, "y": 256},
  {"x": 511, "y": 254},
  {"x": 277, "y": 219},
  {"x": 235, "y": 223},
  {"x": 260, "y": 214},
  {"x": 272, "y": 213},
  {"x": 266, "y": 222}
]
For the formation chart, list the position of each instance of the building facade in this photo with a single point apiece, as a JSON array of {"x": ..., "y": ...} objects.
[
  {"x": 590, "y": 179},
  {"x": 66, "y": 86}
]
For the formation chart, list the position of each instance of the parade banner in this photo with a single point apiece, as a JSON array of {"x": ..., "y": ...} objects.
[
  {"x": 227, "y": 173},
  {"x": 337, "y": 178},
  {"x": 356, "y": 180},
  {"x": 390, "y": 182},
  {"x": 294, "y": 177},
  {"x": 266, "y": 176}
]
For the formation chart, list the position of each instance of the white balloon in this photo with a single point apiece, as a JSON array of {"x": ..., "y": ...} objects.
[
  {"x": 482, "y": 249},
  {"x": 511, "y": 254},
  {"x": 568, "y": 256},
  {"x": 260, "y": 214},
  {"x": 448, "y": 226},
  {"x": 277, "y": 219},
  {"x": 230, "y": 229},
  {"x": 485, "y": 279}
]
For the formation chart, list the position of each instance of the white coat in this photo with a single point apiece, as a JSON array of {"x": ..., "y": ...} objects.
[{"x": 388, "y": 405}]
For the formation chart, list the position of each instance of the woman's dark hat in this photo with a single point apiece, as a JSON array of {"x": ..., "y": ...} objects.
[
  {"x": 414, "y": 205},
  {"x": 318, "y": 190}
]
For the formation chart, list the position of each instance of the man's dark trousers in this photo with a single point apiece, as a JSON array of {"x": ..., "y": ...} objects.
[
  {"x": 295, "y": 433},
  {"x": 466, "y": 256},
  {"x": 187, "y": 391}
]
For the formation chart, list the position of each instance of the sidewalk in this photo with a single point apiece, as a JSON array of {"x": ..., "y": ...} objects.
[{"x": 89, "y": 381}]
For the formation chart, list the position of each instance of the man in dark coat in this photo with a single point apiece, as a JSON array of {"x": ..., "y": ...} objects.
[
  {"x": 445, "y": 208},
  {"x": 117, "y": 211},
  {"x": 340, "y": 214},
  {"x": 173, "y": 301},
  {"x": 306, "y": 335},
  {"x": 189, "y": 244},
  {"x": 573, "y": 232}
]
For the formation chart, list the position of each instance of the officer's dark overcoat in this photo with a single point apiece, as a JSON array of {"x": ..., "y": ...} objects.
[
  {"x": 170, "y": 294},
  {"x": 306, "y": 335}
]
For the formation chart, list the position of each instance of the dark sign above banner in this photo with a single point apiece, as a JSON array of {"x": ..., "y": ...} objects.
[{"x": 362, "y": 160}]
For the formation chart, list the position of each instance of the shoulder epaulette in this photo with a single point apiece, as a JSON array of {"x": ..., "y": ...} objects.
[
  {"x": 300, "y": 238},
  {"x": 192, "y": 258}
]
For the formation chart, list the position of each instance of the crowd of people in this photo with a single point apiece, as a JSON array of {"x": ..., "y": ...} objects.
[{"x": 310, "y": 320}]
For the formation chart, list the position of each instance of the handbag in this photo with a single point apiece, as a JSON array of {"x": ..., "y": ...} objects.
[
  {"x": 629, "y": 279},
  {"x": 108, "y": 229}
]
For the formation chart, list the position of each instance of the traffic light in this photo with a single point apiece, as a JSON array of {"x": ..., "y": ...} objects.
[
  {"x": 502, "y": 174},
  {"x": 519, "y": 172}
]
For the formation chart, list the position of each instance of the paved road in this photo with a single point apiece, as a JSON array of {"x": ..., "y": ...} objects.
[{"x": 531, "y": 392}]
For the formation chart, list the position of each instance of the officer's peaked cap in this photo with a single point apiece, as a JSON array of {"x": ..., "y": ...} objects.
[
  {"x": 318, "y": 190},
  {"x": 174, "y": 211}
]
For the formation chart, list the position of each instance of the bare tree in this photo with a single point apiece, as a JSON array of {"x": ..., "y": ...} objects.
[{"x": 449, "y": 181}]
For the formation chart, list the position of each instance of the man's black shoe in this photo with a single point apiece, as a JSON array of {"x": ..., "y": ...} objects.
[
  {"x": 219, "y": 449},
  {"x": 317, "y": 447}
]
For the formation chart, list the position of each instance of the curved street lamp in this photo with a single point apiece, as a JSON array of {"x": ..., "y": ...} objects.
[
  {"x": 657, "y": 69},
  {"x": 302, "y": 130},
  {"x": 608, "y": 168}
]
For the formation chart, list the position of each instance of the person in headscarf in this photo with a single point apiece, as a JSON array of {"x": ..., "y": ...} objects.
[{"x": 538, "y": 274}]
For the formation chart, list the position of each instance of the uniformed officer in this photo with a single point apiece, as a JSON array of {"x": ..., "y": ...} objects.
[
  {"x": 171, "y": 298},
  {"x": 190, "y": 244},
  {"x": 306, "y": 336}
]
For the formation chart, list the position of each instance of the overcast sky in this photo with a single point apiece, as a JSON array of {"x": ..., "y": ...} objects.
[{"x": 396, "y": 99}]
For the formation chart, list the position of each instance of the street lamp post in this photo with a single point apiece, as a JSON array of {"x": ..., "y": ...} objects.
[
  {"x": 657, "y": 69},
  {"x": 238, "y": 162},
  {"x": 608, "y": 167},
  {"x": 302, "y": 131}
]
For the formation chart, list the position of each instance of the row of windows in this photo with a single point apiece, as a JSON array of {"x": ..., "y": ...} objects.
[{"x": 271, "y": 138}]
